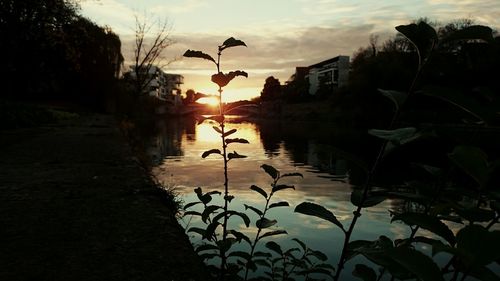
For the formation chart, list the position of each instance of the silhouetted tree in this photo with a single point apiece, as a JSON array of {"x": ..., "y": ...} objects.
[
  {"x": 271, "y": 90},
  {"x": 469, "y": 67},
  {"x": 148, "y": 50},
  {"x": 296, "y": 88},
  {"x": 55, "y": 53}
]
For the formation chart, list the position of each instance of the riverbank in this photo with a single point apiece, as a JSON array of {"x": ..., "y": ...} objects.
[{"x": 76, "y": 205}]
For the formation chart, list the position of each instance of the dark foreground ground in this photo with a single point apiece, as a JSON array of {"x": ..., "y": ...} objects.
[{"x": 74, "y": 205}]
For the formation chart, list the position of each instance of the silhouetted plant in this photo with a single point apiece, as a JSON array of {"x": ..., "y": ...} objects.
[
  {"x": 442, "y": 200},
  {"x": 217, "y": 238},
  {"x": 221, "y": 79}
]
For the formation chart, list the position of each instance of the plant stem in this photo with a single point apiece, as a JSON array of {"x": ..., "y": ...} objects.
[
  {"x": 252, "y": 250},
  {"x": 226, "y": 179},
  {"x": 366, "y": 186}
]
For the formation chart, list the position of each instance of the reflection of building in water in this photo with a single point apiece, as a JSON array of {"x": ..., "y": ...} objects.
[{"x": 168, "y": 140}]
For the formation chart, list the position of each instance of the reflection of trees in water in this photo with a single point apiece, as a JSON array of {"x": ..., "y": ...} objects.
[
  {"x": 167, "y": 141},
  {"x": 324, "y": 148},
  {"x": 270, "y": 136}
]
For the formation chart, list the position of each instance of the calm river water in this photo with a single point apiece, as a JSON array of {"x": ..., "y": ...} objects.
[{"x": 307, "y": 148}]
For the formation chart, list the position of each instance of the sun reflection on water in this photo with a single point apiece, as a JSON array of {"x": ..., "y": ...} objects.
[{"x": 188, "y": 170}]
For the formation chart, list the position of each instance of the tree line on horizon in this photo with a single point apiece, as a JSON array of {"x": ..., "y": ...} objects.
[{"x": 470, "y": 67}]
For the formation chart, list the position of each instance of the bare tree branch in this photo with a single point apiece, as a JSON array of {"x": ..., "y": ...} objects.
[{"x": 151, "y": 40}]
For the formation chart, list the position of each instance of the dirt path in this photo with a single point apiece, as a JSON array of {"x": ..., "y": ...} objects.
[{"x": 74, "y": 205}]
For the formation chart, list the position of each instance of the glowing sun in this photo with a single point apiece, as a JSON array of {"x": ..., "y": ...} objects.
[{"x": 212, "y": 101}]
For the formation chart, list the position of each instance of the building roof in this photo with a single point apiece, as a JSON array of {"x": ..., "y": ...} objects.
[{"x": 325, "y": 62}]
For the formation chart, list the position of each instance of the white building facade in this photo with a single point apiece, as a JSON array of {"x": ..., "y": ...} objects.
[
  {"x": 332, "y": 73},
  {"x": 162, "y": 85}
]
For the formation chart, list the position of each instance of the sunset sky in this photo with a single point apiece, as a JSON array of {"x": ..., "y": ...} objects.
[{"x": 280, "y": 34}]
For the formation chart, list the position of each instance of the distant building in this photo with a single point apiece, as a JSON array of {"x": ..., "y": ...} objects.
[
  {"x": 328, "y": 75},
  {"x": 164, "y": 86}
]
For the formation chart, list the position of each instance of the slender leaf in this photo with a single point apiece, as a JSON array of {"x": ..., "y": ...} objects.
[
  {"x": 318, "y": 254},
  {"x": 206, "y": 247},
  {"x": 434, "y": 171},
  {"x": 244, "y": 255},
  {"x": 290, "y": 252},
  {"x": 211, "y": 151},
  {"x": 397, "y": 97},
  {"x": 198, "y": 54},
  {"x": 198, "y": 230},
  {"x": 191, "y": 204},
  {"x": 225, "y": 245},
  {"x": 292, "y": 175},
  {"x": 239, "y": 236},
  {"x": 257, "y": 211},
  {"x": 208, "y": 211},
  {"x": 217, "y": 129},
  {"x": 230, "y": 132},
  {"x": 370, "y": 200},
  {"x": 207, "y": 256},
  {"x": 427, "y": 240},
  {"x": 273, "y": 246},
  {"x": 279, "y": 204},
  {"x": 192, "y": 213},
  {"x": 259, "y": 190},
  {"x": 421, "y": 35},
  {"x": 281, "y": 187},
  {"x": 231, "y": 42},
  {"x": 210, "y": 231},
  {"x": 273, "y": 233},
  {"x": 214, "y": 192},
  {"x": 364, "y": 272},
  {"x": 428, "y": 222},
  {"x": 319, "y": 211},
  {"x": 235, "y": 155},
  {"x": 243, "y": 216},
  {"x": 397, "y": 136},
  {"x": 262, "y": 262},
  {"x": 270, "y": 170},
  {"x": 302, "y": 244},
  {"x": 265, "y": 223},
  {"x": 236, "y": 140},
  {"x": 315, "y": 270},
  {"x": 417, "y": 263},
  {"x": 262, "y": 254},
  {"x": 354, "y": 247}
]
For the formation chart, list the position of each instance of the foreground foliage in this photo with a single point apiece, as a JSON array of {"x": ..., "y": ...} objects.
[
  {"x": 451, "y": 207},
  {"x": 457, "y": 202}
]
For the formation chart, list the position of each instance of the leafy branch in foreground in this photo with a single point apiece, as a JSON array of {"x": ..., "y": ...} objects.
[
  {"x": 244, "y": 261},
  {"x": 472, "y": 207},
  {"x": 222, "y": 80}
]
